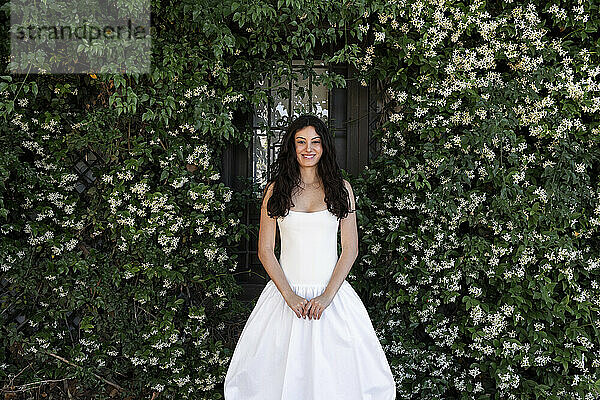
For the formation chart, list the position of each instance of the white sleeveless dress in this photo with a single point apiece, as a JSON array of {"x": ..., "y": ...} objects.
[{"x": 282, "y": 357}]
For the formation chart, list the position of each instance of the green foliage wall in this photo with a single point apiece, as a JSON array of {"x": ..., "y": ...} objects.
[
  {"x": 480, "y": 242},
  {"x": 488, "y": 198}
]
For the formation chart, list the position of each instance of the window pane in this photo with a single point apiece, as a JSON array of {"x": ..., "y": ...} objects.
[
  {"x": 300, "y": 94},
  {"x": 276, "y": 144},
  {"x": 261, "y": 115},
  {"x": 320, "y": 95},
  {"x": 281, "y": 94},
  {"x": 259, "y": 156}
]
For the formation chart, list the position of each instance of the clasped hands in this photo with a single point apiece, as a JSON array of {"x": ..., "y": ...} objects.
[{"x": 312, "y": 308}]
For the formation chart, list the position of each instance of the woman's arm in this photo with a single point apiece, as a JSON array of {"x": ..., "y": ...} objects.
[
  {"x": 349, "y": 237},
  {"x": 266, "y": 247}
]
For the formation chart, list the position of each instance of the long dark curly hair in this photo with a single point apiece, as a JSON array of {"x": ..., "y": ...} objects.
[{"x": 286, "y": 172}]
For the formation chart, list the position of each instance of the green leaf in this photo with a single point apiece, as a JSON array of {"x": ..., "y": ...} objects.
[{"x": 164, "y": 174}]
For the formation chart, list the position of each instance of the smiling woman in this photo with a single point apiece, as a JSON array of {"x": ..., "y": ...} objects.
[{"x": 309, "y": 335}]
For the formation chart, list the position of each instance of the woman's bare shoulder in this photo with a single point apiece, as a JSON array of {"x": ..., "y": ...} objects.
[{"x": 268, "y": 190}]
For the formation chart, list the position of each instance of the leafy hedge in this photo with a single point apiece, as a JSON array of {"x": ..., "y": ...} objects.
[
  {"x": 485, "y": 286},
  {"x": 488, "y": 200}
]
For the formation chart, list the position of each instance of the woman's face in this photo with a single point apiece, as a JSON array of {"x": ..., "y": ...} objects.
[{"x": 308, "y": 146}]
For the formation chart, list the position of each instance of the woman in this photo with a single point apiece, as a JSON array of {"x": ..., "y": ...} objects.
[{"x": 309, "y": 336}]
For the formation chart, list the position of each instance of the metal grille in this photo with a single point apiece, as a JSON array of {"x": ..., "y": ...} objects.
[{"x": 286, "y": 100}]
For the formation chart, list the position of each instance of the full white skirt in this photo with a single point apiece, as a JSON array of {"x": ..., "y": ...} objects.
[{"x": 282, "y": 357}]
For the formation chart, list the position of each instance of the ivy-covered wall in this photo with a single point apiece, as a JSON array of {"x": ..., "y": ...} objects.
[{"x": 478, "y": 224}]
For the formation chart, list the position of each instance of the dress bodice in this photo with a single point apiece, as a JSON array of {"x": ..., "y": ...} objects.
[{"x": 308, "y": 246}]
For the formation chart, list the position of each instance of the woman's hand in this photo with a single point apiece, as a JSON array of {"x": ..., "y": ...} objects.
[
  {"x": 315, "y": 307},
  {"x": 296, "y": 303}
]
